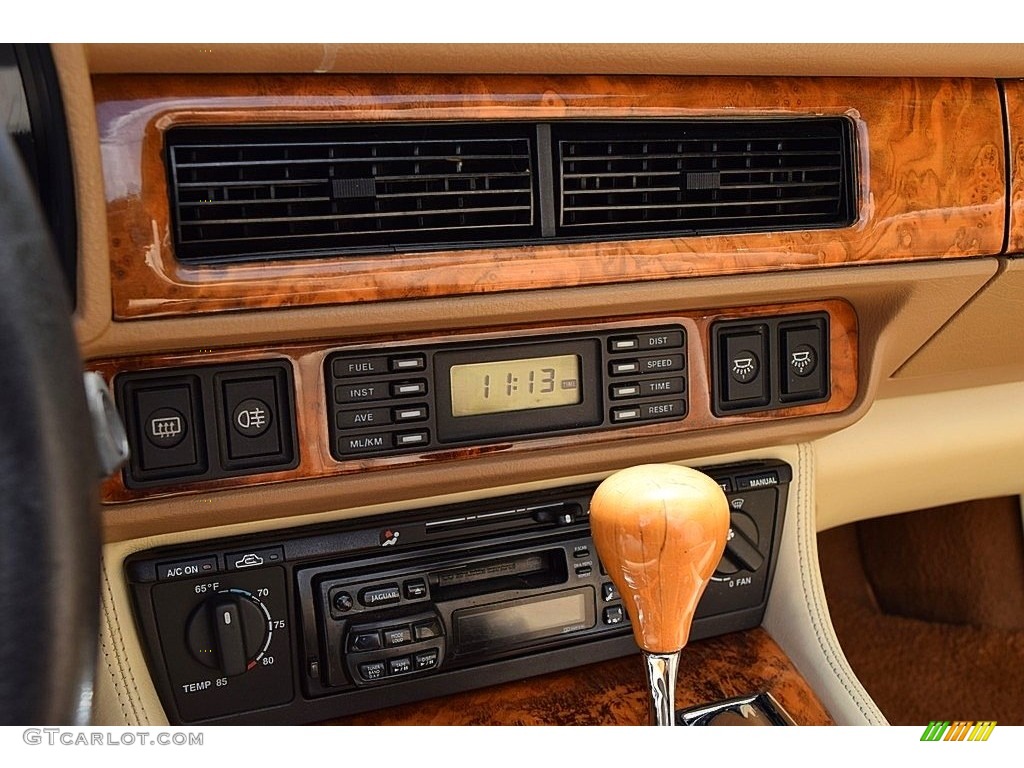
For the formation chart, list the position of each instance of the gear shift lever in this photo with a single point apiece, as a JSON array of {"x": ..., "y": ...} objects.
[{"x": 660, "y": 530}]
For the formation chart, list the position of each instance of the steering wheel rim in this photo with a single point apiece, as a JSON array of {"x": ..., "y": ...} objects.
[{"x": 49, "y": 547}]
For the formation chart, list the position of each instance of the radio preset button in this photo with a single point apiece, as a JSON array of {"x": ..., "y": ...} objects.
[
  {"x": 409, "y": 388},
  {"x": 385, "y": 594},
  {"x": 360, "y": 642},
  {"x": 399, "y": 666},
  {"x": 426, "y": 659},
  {"x": 581, "y": 552},
  {"x": 426, "y": 630},
  {"x": 405, "y": 439},
  {"x": 408, "y": 363},
  {"x": 623, "y": 343},
  {"x": 362, "y": 392},
  {"x": 625, "y": 414},
  {"x": 372, "y": 670},
  {"x": 372, "y": 443},
  {"x": 348, "y": 367},
  {"x": 625, "y": 367},
  {"x": 397, "y": 636}
]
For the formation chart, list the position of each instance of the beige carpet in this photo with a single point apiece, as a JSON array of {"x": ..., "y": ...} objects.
[{"x": 949, "y": 643}]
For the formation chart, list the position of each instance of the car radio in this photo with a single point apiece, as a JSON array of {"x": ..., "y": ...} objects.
[{"x": 320, "y": 622}]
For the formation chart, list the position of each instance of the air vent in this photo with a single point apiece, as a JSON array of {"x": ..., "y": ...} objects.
[
  {"x": 334, "y": 190},
  {"x": 299, "y": 191},
  {"x": 648, "y": 178}
]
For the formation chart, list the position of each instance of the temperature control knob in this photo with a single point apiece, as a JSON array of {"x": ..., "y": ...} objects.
[{"x": 230, "y": 631}]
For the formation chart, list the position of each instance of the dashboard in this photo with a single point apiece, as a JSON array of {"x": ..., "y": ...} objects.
[{"x": 410, "y": 296}]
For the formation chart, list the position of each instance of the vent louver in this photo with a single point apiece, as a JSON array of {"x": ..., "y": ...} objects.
[
  {"x": 297, "y": 191},
  {"x": 741, "y": 175}
]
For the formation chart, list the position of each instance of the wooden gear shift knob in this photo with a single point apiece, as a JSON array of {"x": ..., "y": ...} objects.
[{"x": 660, "y": 530}]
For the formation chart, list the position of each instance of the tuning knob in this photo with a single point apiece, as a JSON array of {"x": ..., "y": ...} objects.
[{"x": 660, "y": 530}]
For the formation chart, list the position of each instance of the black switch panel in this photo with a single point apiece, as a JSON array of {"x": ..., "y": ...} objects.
[
  {"x": 207, "y": 422},
  {"x": 745, "y": 366},
  {"x": 165, "y": 426},
  {"x": 768, "y": 363},
  {"x": 255, "y": 419},
  {"x": 804, "y": 352}
]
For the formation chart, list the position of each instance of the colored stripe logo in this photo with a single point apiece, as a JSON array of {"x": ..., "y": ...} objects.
[{"x": 960, "y": 730}]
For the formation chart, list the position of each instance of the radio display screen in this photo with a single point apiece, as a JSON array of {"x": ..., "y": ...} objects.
[
  {"x": 518, "y": 621},
  {"x": 515, "y": 385}
]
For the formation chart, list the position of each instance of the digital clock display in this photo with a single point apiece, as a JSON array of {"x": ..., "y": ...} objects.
[{"x": 515, "y": 385}]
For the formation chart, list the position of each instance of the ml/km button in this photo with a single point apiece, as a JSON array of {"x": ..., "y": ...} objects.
[{"x": 372, "y": 443}]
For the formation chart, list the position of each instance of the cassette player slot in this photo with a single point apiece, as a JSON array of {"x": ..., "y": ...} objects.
[
  {"x": 558, "y": 513},
  {"x": 526, "y": 571}
]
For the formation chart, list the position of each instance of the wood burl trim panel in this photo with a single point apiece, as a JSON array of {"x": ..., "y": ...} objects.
[
  {"x": 615, "y": 692},
  {"x": 1014, "y": 95},
  {"x": 316, "y": 461},
  {"x": 932, "y": 180}
]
